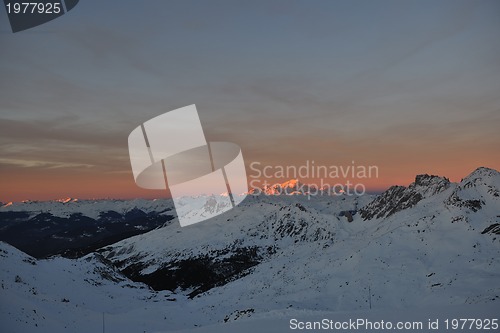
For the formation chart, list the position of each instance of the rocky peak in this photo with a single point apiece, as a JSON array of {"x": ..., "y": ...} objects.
[
  {"x": 475, "y": 190},
  {"x": 397, "y": 198},
  {"x": 428, "y": 180},
  {"x": 483, "y": 172},
  {"x": 429, "y": 185}
]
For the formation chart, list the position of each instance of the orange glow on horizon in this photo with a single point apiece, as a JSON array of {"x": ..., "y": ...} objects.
[{"x": 26, "y": 184}]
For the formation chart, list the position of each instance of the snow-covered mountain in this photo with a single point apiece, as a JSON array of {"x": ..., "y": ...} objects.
[
  {"x": 74, "y": 228},
  {"x": 397, "y": 198},
  {"x": 65, "y": 295},
  {"x": 275, "y": 250},
  {"x": 295, "y": 187},
  {"x": 432, "y": 243},
  {"x": 66, "y": 207},
  {"x": 90, "y": 295}
]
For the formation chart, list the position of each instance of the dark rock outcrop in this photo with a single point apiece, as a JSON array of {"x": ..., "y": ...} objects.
[{"x": 398, "y": 198}]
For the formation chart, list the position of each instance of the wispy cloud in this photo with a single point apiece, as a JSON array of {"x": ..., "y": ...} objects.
[{"x": 42, "y": 164}]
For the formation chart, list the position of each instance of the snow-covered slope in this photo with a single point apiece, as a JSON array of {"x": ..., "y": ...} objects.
[
  {"x": 64, "y": 295},
  {"x": 87, "y": 295},
  {"x": 227, "y": 246},
  {"x": 435, "y": 243},
  {"x": 275, "y": 252}
]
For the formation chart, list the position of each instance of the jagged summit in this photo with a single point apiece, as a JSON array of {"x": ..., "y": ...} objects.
[
  {"x": 289, "y": 187},
  {"x": 426, "y": 180},
  {"x": 429, "y": 185},
  {"x": 397, "y": 198},
  {"x": 472, "y": 192},
  {"x": 482, "y": 172},
  {"x": 296, "y": 187},
  {"x": 482, "y": 175},
  {"x": 485, "y": 182},
  {"x": 291, "y": 183},
  {"x": 66, "y": 200}
]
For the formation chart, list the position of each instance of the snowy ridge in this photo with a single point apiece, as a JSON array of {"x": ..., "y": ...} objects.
[
  {"x": 274, "y": 257},
  {"x": 476, "y": 190},
  {"x": 306, "y": 250},
  {"x": 398, "y": 198},
  {"x": 294, "y": 187},
  {"x": 90, "y": 208},
  {"x": 63, "y": 295}
]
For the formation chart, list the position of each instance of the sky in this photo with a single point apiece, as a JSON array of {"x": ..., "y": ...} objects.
[{"x": 411, "y": 87}]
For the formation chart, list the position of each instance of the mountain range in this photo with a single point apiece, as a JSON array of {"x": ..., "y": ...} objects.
[{"x": 434, "y": 243}]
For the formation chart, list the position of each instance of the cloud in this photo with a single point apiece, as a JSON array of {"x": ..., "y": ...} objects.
[
  {"x": 64, "y": 130},
  {"x": 42, "y": 164}
]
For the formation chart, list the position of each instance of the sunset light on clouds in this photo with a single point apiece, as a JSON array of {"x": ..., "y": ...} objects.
[{"x": 411, "y": 87}]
